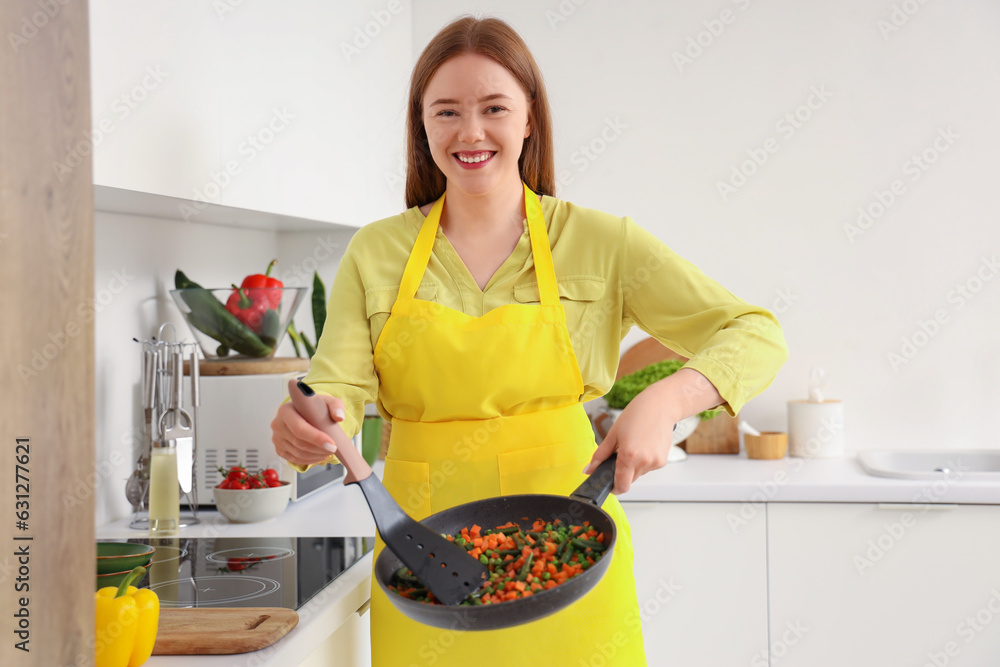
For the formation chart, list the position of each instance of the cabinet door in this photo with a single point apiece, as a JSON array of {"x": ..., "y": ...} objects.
[
  {"x": 869, "y": 586},
  {"x": 290, "y": 108},
  {"x": 701, "y": 577},
  {"x": 155, "y": 97},
  {"x": 312, "y": 99},
  {"x": 349, "y": 646}
]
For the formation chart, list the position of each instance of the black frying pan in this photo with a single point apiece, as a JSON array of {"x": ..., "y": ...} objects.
[
  {"x": 420, "y": 546},
  {"x": 584, "y": 504}
]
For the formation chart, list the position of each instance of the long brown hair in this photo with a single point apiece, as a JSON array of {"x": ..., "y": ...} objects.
[{"x": 493, "y": 38}]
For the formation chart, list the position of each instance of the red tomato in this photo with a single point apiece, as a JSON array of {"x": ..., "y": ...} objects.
[
  {"x": 242, "y": 486},
  {"x": 270, "y": 474},
  {"x": 223, "y": 485},
  {"x": 237, "y": 474}
]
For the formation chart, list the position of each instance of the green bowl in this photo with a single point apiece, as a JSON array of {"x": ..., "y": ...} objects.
[
  {"x": 118, "y": 557},
  {"x": 115, "y": 579}
]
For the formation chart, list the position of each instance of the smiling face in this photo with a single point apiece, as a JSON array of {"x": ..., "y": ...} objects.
[{"x": 476, "y": 117}]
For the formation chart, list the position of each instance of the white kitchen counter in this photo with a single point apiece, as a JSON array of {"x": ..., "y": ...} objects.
[
  {"x": 342, "y": 511},
  {"x": 729, "y": 478}
]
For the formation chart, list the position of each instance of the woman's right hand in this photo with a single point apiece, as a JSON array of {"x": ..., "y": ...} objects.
[{"x": 298, "y": 441}]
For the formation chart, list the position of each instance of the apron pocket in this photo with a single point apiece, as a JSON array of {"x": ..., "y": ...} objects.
[
  {"x": 409, "y": 482},
  {"x": 554, "y": 469}
]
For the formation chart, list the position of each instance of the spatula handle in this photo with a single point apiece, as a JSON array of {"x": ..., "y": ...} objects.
[{"x": 313, "y": 409}]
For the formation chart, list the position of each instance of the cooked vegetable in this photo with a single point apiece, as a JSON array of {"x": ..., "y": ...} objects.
[
  {"x": 628, "y": 386},
  {"x": 521, "y": 563}
]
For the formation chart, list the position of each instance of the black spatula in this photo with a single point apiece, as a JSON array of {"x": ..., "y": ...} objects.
[{"x": 445, "y": 568}]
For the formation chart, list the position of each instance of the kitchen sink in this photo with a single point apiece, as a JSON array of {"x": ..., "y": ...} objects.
[{"x": 951, "y": 464}]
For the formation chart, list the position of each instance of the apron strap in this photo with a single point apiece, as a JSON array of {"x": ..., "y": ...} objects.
[
  {"x": 545, "y": 272},
  {"x": 421, "y": 254}
]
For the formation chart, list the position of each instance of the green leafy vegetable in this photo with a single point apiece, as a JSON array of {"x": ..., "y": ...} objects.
[
  {"x": 628, "y": 386},
  {"x": 319, "y": 318}
]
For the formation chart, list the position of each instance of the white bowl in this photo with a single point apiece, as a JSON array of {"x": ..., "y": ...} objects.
[{"x": 251, "y": 505}]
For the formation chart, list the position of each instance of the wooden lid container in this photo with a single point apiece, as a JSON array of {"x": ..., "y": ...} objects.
[{"x": 767, "y": 445}]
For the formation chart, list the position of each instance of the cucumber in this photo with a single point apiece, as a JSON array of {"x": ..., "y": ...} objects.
[{"x": 210, "y": 317}]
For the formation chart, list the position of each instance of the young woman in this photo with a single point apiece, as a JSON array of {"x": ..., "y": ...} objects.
[{"x": 482, "y": 317}]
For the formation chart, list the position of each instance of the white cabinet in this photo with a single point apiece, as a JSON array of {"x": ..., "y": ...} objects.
[
  {"x": 869, "y": 586},
  {"x": 291, "y": 108},
  {"x": 349, "y": 645},
  {"x": 155, "y": 101},
  {"x": 701, "y": 580}
]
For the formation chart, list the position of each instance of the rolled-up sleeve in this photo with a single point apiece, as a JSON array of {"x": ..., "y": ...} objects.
[
  {"x": 343, "y": 365},
  {"x": 739, "y": 347}
]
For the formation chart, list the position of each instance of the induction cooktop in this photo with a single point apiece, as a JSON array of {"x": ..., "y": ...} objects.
[{"x": 247, "y": 571}]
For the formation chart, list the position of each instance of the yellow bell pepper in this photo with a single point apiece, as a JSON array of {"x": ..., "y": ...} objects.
[{"x": 126, "y": 624}]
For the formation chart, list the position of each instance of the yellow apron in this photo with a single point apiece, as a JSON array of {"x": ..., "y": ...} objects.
[{"x": 488, "y": 406}]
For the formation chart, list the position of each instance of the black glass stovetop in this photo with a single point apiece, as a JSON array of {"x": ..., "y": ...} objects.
[{"x": 247, "y": 571}]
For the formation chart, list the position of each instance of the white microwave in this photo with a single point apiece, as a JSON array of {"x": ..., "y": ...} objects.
[{"x": 234, "y": 428}]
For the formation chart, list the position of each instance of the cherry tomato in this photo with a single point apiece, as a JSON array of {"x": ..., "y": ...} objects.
[
  {"x": 237, "y": 474},
  {"x": 273, "y": 483},
  {"x": 224, "y": 484},
  {"x": 242, "y": 486},
  {"x": 270, "y": 474}
]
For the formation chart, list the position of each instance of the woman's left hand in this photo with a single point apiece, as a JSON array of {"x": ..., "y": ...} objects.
[
  {"x": 642, "y": 435},
  {"x": 644, "y": 431}
]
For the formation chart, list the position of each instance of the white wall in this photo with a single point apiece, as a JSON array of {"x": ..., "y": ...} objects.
[{"x": 851, "y": 299}]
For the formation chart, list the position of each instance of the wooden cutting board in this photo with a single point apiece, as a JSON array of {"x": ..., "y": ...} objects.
[{"x": 221, "y": 630}]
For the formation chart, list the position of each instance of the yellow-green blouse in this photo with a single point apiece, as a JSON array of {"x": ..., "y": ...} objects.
[{"x": 612, "y": 275}]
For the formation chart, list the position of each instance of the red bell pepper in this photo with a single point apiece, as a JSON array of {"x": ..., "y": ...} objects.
[
  {"x": 262, "y": 285},
  {"x": 248, "y": 307}
]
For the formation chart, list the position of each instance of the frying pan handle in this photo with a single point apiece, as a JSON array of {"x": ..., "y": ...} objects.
[
  {"x": 313, "y": 409},
  {"x": 597, "y": 486},
  {"x": 600, "y": 482}
]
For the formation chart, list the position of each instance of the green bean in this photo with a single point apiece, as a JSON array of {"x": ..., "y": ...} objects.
[
  {"x": 526, "y": 568},
  {"x": 588, "y": 544}
]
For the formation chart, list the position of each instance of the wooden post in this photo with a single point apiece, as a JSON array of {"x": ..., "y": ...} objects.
[{"x": 47, "y": 344}]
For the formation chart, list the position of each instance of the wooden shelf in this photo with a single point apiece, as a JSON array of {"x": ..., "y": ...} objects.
[{"x": 276, "y": 365}]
